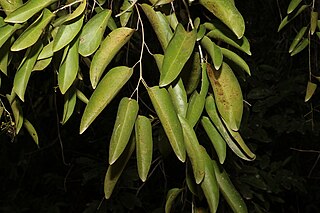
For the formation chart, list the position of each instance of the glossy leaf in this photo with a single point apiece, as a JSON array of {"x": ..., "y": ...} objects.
[
  {"x": 107, "y": 89},
  {"x": 42, "y": 64},
  {"x": 293, "y": 5},
  {"x": 178, "y": 96},
  {"x": 109, "y": 47},
  {"x": 216, "y": 139},
  {"x": 193, "y": 77},
  {"x": 82, "y": 97},
  {"x": 27, "y": 10},
  {"x": 69, "y": 67},
  {"x": 22, "y": 76},
  {"x": 211, "y": 109},
  {"x": 66, "y": 33},
  {"x": 313, "y": 22},
  {"x": 311, "y": 88},
  {"x": 92, "y": 33},
  {"x": 226, "y": 11},
  {"x": 115, "y": 170},
  {"x": 171, "y": 196},
  {"x": 126, "y": 117},
  {"x": 144, "y": 146},
  {"x": 297, "y": 39},
  {"x": 70, "y": 100},
  {"x": 237, "y": 137},
  {"x": 4, "y": 57},
  {"x": 7, "y": 31},
  {"x": 209, "y": 184},
  {"x": 177, "y": 54},
  {"x": 159, "y": 24},
  {"x": 236, "y": 59},
  {"x": 10, "y": 6},
  {"x": 301, "y": 46},
  {"x": 77, "y": 12},
  {"x": 213, "y": 50},
  {"x": 221, "y": 33},
  {"x": 164, "y": 107},
  {"x": 30, "y": 36},
  {"x": 193, "y": 150},
  {"x": 286, "y": 19},
  {"x": 31, "y": 130},
  {"x": 46, "y": 51},
  {"x": 228, "y": 190}
]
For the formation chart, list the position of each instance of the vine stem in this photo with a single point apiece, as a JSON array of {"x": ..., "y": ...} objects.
[
  {"x": 66, "y": 6},
  {"x": 126, "y": 10}
]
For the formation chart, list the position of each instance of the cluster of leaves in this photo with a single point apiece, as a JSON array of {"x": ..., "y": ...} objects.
[
  {"x": 78, "y": 41},
  {"x": 307, "y": 37}
]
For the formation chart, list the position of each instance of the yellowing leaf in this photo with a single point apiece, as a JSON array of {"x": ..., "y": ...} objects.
[
  {"x": 107, "y": 89},
  {"x": 228, "y": 95},
  {"x": 107, "y": 50},
  {"x": 226, "y": 11},
  {"x": 159, "y": 24},
  {"x": 177, "y": 54},
  {"x": 311, "y": 88}
]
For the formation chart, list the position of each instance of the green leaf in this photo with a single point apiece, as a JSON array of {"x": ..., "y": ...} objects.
[
  {"x": 313, "y": 22},
  {"x": 311, "y": 88},
  {"x": 92, "y": 33},
  {"x": 228, "y": 95},
  {"x": 107, "y": 89},
  {"x": 82, "y": 97},
  {"x": 301, "y": 46},
  {"x": 124, "y": 18},
  {"x": 126, "y": 117},
  {"x": 31, "y": 35},
  {"x": 171, "y": 196},
  {"x": 66, "y": 33},
  {"x": 216, "y": 139},
  {"x": 69, "y": 67},
  {"x": 7, "y": 31},
  {"x": 16, "y": 110},
  {"x": 115, "y": 170},
  {"x": 161, "y": 2},
  {"x": 164, "y": 107},
  {"x": 77, "y": 12},
  {"x": 221, "y": 33},
  {"x": 213, "y": 50},
  {"x": 42, "y": 64},
  {"x": 293, "y": 5},
  {"x": 27, "y": 10},
  {"x": 4, "y": 56},
  {"x": 144, "y": 146},
  {"x": 228, "y": 190},
  {"x": 23, "y": 74},
  {"x": 226, "y": 11},
  {"x": 70, "y": 100},
  {"x": 10, "y": 6},
  {"x": 31, "y": 130},
  {"x": 159, "y": 24},
  {"x": 46, "y": 52},
  {"x": 286, "y": 19},
  {"x": 177, "y": 54},
  {"x": 236, "y": 59},
  {"x": 178, "y": 96},
  {"x": 209, "y": 184},
  {"x": 297, "y": 39},
  {"x": 193, "y": 150},
  {"x": 211, "y": 109},
  {"x": 192, "y": 78},
  {"x": 109, "y": 47}
]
